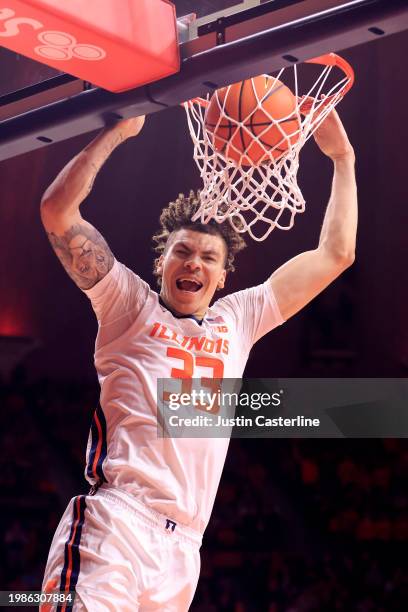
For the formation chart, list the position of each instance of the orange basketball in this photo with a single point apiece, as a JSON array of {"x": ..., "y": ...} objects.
[{"x": 240, "y": 103}]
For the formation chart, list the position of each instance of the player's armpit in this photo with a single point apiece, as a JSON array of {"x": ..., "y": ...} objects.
[
  {"x": 82, "y": 250},
  {"x": 302, "y": 278}
]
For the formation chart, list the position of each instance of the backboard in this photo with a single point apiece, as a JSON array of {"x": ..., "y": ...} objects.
[
  {"x": 220, "y": 42},
  {"x": 18, "y": 72}
]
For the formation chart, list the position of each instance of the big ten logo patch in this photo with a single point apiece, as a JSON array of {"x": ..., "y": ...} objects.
[{"x": 54, "y": 45}]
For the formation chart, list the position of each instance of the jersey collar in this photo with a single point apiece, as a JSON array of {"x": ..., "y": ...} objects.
[{"x": 178, "y": 315}]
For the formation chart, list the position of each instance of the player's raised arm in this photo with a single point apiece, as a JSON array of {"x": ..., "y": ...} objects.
[
  {"x": 81, "y": 249},
  {"x": 302, "y": 278}
]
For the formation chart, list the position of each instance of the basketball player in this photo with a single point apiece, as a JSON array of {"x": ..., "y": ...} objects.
[{"x": 133, "y": 542}]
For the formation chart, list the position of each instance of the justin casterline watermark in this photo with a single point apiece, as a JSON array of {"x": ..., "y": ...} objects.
[
  {"x": 276, "y": 408},
  {"x": 211, "y": 403}
]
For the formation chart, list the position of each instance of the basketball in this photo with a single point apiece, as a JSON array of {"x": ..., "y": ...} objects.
[{"x": 242, "y": 112}]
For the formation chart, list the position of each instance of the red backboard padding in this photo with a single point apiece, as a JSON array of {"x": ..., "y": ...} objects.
[{"x": 115, "y": 44}]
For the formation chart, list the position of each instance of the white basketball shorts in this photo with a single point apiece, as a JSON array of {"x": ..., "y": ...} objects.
[{"x": 119, "y": 555}]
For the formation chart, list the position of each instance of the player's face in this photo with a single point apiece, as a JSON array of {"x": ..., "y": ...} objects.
[{"x": 192, "y": 269}]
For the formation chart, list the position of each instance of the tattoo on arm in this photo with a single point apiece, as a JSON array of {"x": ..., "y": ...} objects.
[
  {"x": 100, "y": 155},
  {"x": 84, "y": 253},
  {"x": 92, "y": 178}
]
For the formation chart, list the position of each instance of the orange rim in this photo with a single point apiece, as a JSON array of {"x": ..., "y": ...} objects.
[{"x": 329, "y": 59}]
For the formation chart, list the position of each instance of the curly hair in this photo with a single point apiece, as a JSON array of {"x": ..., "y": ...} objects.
[{"x": 177, "y": 215}]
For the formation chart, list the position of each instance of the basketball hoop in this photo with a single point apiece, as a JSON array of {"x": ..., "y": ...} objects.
[{"x": 249, "y": 162}]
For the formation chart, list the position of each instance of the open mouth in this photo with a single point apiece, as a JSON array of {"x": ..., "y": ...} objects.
[{"x": 188, "y": 284}]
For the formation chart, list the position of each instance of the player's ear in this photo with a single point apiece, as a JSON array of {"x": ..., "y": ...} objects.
[
  {"x": 159, "y": 265},
  {"x": 221, "y": 281}
]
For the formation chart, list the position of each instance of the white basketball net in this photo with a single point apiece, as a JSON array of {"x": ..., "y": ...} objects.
[{"x": 266, "y": 194}]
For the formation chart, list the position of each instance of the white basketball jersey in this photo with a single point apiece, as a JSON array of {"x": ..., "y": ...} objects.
[{"x": 139, "y": 341}]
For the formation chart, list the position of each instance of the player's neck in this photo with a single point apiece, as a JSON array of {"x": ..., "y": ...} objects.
[{"x": 179, "y": 315}]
